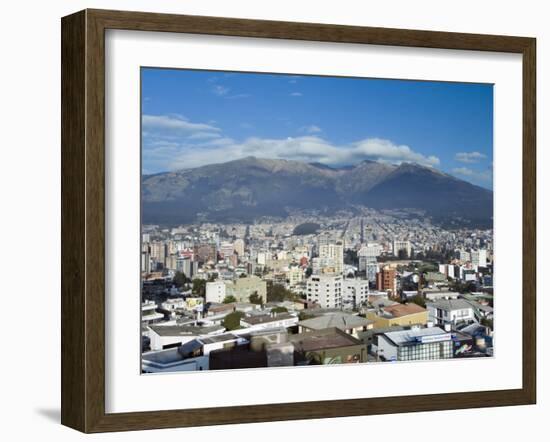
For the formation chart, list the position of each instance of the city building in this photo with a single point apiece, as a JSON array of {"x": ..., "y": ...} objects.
[
  {"x": 386, "y": 280},
  {"x": 335, "y": 253},
  {"x": 350, "y": 324},
  {"x": 327, "y": 346},
  {"x": 149, "y": 314},
  {"x": 215, "y": 291},
  {"x": 325, "y": 290},
  {"x": 398, "y": 314},
  {"x": 402, "y": 246},
  {"x": 450, "y": 311},
  {"x": 242, "y": 288},
  {"x": 415, "y": 344},
  {"x": 355, "y": 292}
]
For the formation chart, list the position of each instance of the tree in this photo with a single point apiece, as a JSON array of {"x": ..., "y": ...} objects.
[
  {"x": 277, "y": 293},
  {"x": 199, "y": 287},
  {"x": 419, "y": 300},
  {"x": 302, "y": 316},
  {"x": 487, "y": 323},
  {"x": 279, "y": 310},
  {"x": 229, "y": 299},
  {"x": 254, "y": 298},
  {"x": 233, "y": 320},
  {"x": 180, "y": 279}
]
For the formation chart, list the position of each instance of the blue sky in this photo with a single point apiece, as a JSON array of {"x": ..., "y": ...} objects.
[{"x": 191, "y": 118}]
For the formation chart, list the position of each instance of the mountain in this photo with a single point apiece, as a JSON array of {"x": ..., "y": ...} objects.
[{"x": 245, "y": 189}]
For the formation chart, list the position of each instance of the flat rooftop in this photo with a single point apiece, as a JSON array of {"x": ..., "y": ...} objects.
[{"x": 323, "y": 339}]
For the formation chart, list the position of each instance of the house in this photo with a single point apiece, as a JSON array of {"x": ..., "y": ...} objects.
[
  {"x": 257, "y": 322},
  {"x": 167, "y": 336},
  {"x": 328, "y": 346},
  {"x": 350, "y": 324},
  {"x": 398, "y": 314},
  {"x": 450, "y": 311}
]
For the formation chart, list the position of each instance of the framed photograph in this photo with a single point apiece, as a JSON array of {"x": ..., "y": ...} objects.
[{"x": 266, "y": 221}]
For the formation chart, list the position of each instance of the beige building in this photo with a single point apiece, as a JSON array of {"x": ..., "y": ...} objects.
[
  {"x": 334, "y": 252},
  {"x": 398, "y": 314},
  {"x": 242, "y": 288}
]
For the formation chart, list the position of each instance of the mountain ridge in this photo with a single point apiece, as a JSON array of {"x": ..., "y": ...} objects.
[{"x": 249, "y": 188}]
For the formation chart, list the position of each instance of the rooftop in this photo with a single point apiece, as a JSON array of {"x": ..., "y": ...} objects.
[
  {"x": 343, "y": 321},
  {"x": 450, "y": 304},
  {"x": 323, "y": 339},
  {"x": 404, "y": 337},
  {"x": 263, "y": 319},
  {"x": 399, "y": 310},
  {"x": 185, "y": 330}
]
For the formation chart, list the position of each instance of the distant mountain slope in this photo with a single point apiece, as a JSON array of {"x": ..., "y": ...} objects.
[{"x": 245, "y": 189}]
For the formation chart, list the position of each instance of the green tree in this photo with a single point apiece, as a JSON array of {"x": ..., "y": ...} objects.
[
  {"x": 254, "y": 298},
  {"x": 419, "y": 300},
  {"x": 277, "y": 293},
  {"x": 199, "y": 287},
  {"x": 180, "y": 279},
  {"x": 279, "y": 310},
  {"x": 233, "y": 320},
  {"x": 229, "y": 299},
  {"x": 302, "y": 316}
]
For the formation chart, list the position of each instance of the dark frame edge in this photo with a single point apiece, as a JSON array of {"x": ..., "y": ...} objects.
[
  {"x": 83, "y": 192},
  {"x": 73, "y": 139}
]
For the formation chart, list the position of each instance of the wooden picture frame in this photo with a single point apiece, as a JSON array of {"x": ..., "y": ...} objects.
[{"x": 83, "y": 220}]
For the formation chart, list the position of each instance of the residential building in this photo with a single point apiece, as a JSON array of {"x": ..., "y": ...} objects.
[
  {"x": 386, "y": 280},
  {"x": 334, "y": 252},
  {"x": 327, "y": 346},
  {"x": 325, "y": 290},
  {"x": 450, "y": 311},
  {"x": 398, "y": 314},
  {"x": 415, "y": 344},
  {"x": 350, "y": 324},
  {"x": 215, "y": 291},
  {"x": 242, "y": 288},
  {"x": 168, "y": 336}
]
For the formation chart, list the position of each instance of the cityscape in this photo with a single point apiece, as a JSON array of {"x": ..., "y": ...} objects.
[{"x": 278, "y": 256}]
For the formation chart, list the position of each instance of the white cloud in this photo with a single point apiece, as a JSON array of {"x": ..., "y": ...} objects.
[
  {"x": 470, "y": 157},
  {"x": 305, "y": 148},
  {"x": 485, "y": 175},
  {"x": 173, "y": 142},
  {"x": 174, "y": 123},
  {"x": 312, "y": 129},
  {"x": 296, "y": 94},
  {"x": 220, "y": 90}
]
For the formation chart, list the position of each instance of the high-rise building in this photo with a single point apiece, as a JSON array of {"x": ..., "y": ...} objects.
[
  {"x": 239, "y": 247},
  {"x": 325, "y": 290},
  {"x": 479, "y": 258},
  {"x": 386, "y": 280},
  {"x": 335, "y": 252},
  {"x": 399, "y": 245}
]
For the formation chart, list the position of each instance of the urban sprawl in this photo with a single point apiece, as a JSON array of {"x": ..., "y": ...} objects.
[{"x": 374, "y": 286}]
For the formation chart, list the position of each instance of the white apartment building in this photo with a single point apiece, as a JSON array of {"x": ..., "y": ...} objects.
[
  {"x": 239, "y": 247},
  {"x": 335, "y": 252},
  {"x": 355, "y": 291},
  {"x": 479, "y": 258},
  {"x": 401, "y": 245},
  {"x": 215, "y": 291},
  {"x": 326, "y": 290}
]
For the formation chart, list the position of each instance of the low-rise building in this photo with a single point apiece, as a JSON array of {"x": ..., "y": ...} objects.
[
  {"x": 450, "y": 311},
  {"x": 415, "y": 344},
  {"x": 350, "y": 324},
  {"x": 328, "y": 346},
  {"x": 167, "y": 336},
  {"x": 398, "y": 314}
]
